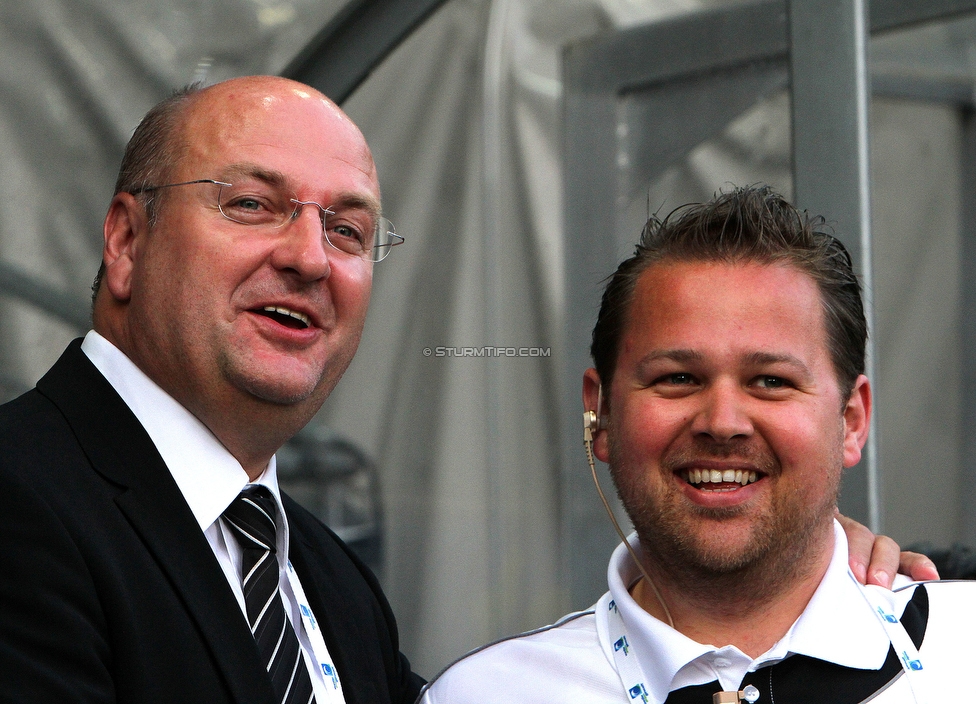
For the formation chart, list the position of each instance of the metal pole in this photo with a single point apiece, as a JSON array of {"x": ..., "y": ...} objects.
[{"x": 830, "y": 92}]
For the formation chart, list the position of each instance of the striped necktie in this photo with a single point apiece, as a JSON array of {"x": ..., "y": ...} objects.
[{"x": 251, "y": 517}]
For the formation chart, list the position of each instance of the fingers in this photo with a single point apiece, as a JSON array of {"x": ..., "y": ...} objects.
[
  {"x": 876, "y": 559},
  {"x": 917, "y": 566},
  {"x": 860, "y": 543},
  {"x": 884, "y": 562}
]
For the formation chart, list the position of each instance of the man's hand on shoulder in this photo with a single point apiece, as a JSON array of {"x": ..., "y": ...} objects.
[{"x": 875, "y": 559}]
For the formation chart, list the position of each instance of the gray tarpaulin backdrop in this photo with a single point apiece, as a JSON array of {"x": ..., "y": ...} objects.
[{"x": 464, "y": 121}]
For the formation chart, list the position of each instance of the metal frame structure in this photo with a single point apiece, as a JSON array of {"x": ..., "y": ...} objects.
[
  {"x": 638, "y": 100},
  {"x": 358, "y": 38},
  {"x": 831, "y": 170}
]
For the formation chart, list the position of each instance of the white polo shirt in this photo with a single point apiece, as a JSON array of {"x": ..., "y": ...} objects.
[{"x": 574, "y": 660}]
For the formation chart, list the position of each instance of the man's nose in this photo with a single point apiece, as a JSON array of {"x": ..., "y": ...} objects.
[
  {"x": 302, "y": 247},
  {"x": 723, "y": 414}
]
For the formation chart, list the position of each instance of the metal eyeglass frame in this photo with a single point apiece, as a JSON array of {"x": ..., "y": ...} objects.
[{"x": 377, "y": 253}]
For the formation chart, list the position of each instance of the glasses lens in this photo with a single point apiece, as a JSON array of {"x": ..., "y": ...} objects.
[
  {"x": 353, "y": 233},
  {"x": 386, "y": 238},
  {"x": 349, "y": 232},
  {"x": 253, "y": 202}
]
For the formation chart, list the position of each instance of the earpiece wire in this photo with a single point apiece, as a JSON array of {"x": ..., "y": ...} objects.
[{"x": 588, "y": 445}]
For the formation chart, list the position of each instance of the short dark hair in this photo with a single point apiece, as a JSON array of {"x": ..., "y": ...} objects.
[
  {"x": 747, "y": 224},
  {"x": 151, "y": 155}
]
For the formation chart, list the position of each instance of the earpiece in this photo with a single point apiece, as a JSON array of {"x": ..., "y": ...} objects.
[
  {"x": 590, "y": 425},
  {"x": 592, "y": 422}
]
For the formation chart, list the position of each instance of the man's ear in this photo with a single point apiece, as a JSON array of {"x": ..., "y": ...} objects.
[
  {"x": 857, "y": 421},
  {"x": 126, "y": 224},
  {"x": 595, "y": 400}
]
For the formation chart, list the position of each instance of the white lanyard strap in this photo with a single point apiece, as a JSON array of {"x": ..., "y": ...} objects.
[
  {"x": 629, "y": 669},
  {"x": 624, "y": 657},
  {"x": 632, "y": 677},
  {"x": 319, "y": 650},
  {"x": 911, "y": 662}
]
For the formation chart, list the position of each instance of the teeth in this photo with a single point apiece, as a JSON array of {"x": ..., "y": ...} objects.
[
  {"x": 718, "y": 476},
  {"x": 290, "y": 313}
]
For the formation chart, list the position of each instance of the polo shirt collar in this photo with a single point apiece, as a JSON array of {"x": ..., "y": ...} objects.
[{"x": 838, "y": 626}]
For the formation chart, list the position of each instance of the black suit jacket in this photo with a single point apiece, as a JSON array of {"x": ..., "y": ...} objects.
[{"x": 109, "y": 591}]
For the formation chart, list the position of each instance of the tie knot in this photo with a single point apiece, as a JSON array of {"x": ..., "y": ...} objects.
[{"x": 252, "y": 517}]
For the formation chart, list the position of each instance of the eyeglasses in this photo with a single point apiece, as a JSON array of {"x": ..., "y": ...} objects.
[{"x": 256, "y": 203}]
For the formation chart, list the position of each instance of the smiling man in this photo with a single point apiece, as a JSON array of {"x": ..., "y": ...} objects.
[
  {"x": 728, "y": 395},
  {"x": 148, "y": 554}
]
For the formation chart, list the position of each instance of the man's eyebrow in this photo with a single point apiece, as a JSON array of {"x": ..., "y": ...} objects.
[
  {"x": 679, "y": 355},
  {"x": 764, "y": 358},
  {"x": 345, "y": 201},
  {"x": 269, "y": 176},
  {"x": 357, "y": 201},
  {"x": 756, "y": 359}
]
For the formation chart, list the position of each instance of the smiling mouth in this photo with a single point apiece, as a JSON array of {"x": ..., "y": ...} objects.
[
  {"x": 719, "y": 479},
  {"x": 285, "y": 316}
]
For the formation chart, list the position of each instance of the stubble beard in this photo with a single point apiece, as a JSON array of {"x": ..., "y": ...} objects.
[{"x": 781, "y": 547}]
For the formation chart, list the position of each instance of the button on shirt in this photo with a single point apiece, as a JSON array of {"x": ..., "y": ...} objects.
[{"x": 208, "y": 476}]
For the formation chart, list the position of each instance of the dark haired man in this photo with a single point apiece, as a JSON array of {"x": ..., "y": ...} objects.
[
  {"x": 148, "y": 555},
  {"x": 729, "y": 385}
]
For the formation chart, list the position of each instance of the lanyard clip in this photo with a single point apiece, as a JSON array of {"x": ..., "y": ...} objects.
[{"x": 750, "y": 694}]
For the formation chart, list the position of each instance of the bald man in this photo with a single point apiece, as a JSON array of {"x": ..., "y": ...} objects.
[{"x": 148, "y": 555}]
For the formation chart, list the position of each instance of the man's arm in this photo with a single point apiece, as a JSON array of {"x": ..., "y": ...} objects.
[
  {"x": 876, "y": 559},
  {"x": 52, "y": 630}
]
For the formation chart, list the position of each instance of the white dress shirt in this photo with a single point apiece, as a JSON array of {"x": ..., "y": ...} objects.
[{"x": 210, "y": 478}]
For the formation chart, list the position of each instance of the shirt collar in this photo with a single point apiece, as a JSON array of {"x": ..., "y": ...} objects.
[
  {"x": 661, "y": 651},
  {"x": 208, "y": 476},
  {"x": 838, "y": 626}
]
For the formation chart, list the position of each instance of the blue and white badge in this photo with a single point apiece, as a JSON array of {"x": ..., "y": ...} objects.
[
  {"x": 911, "y": 661},
  {"x": 320, "y": 651},
  {"x": 628, "y": 668}
]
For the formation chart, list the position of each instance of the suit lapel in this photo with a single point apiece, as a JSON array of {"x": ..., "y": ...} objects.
[{"x": 122, "y": 452}]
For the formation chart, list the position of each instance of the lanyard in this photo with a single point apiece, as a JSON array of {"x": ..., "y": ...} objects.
[
  {"x": 623, "y": 653},
  {"x": 915, "y": 673},
  {"x": 633, "y": 678},
  {"x": 319, "y": 650}
]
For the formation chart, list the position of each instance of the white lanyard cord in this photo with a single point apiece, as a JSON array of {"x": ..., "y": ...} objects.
[
  {"x": 628, "y": 668},
  {"x": 902, "y": 643},
  {"x": 319, "y": 650},
  {"x": 633, "y": 678}
]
